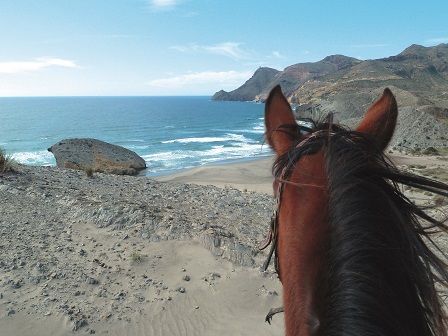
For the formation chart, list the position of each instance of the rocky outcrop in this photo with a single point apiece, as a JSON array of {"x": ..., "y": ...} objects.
[
  {"x": 260, "y": 82},
  {"x": 97, "y": 155}
]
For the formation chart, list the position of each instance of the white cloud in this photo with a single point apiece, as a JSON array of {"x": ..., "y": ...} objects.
[
  {"x": 36, "y": 65},
  {"x": 199, "y": 78},
  {"x": 435, "y": 41},
  {"x": 228, "y": 49},
  {"x": 163, "y": 5},
  {"x": 277, "y": 54}
]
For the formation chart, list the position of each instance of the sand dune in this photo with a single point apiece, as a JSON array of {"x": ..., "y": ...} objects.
[{"x": 81, "y": 255}]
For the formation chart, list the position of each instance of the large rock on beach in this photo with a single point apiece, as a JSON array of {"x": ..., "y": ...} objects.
[{"x": 97, "y": 155}]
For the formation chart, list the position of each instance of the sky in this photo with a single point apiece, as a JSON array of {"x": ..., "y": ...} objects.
[{"x": 193, "y": 47}]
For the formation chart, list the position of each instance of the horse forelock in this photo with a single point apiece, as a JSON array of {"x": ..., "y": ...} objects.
[{"x": 378, "y": 274}]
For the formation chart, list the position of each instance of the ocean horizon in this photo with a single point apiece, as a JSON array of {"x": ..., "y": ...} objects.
[{"x": 172, "y": 133}]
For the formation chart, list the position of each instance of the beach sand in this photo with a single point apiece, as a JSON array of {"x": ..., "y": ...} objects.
[
  {"x": 174, "y": 255},
  {"x": 252, "y": 175},
  {"x": 256, "y": 175},
  {"x": 219, "y": 299},
  {"x": 120, "y": 255}
]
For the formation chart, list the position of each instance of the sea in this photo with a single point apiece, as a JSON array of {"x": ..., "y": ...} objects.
[{"x": 170, "y": 133}]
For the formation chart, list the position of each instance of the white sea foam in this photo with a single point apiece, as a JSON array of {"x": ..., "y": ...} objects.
[
  {"x": 242, "y": 148},
  {"x": 169, "y": 161},
  {"x": 182, "y": 159},
  {"x": 228, "y": 137},
  {"x": 255, "y": 130},
  {"x": 190, "y": 140},
  {"x": 137, "y": 147},
  {"x": 40, "y": 158},
  {"x": 221, "y": 153}
]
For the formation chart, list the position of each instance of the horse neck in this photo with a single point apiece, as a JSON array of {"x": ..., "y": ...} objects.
[
  {"x": 368, "y": 283},
  {"x": 300, "y": 250}
]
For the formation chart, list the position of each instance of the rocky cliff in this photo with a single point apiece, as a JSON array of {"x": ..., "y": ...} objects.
[
  {"x": 418, "y": 77},
  {"x": 420, "y": 71},
  {"x": 259, "y": 82},
  {"x": 264, "y": 79}
]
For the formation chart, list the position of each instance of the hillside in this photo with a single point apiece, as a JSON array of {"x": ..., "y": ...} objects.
[
  {"x": 264, "y": 79},
  {"x": 259, "y": 82},
  {"x": 418, "y": 77}
]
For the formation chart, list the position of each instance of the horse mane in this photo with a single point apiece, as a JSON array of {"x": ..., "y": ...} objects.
[{"x": 379, "y": 274}]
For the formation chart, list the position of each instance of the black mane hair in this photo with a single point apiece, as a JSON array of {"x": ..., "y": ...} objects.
[{"x": 379, "y": 276}]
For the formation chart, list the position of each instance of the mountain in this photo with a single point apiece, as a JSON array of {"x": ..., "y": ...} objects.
[
  {"x": 264, "y": 79},
  {"x": 249, "y": 90},
  {"x": 346, "y": 86}
]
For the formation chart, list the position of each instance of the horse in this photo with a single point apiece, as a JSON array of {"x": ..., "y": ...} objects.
[{"x": 351, "y": 250}]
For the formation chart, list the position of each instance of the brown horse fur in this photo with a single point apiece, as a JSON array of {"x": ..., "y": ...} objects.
[{"x": 351, "y": 255}]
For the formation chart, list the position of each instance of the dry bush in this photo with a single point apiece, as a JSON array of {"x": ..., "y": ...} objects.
[{"x": 6, "y": 162}]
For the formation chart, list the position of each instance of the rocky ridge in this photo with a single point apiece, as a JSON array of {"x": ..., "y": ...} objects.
[
  {"x": 345, "y": 86},
  {"x": 421, "y": 72}
]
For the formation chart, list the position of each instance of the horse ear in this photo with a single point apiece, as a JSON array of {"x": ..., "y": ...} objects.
[
  {"x": 380, "y": 120},
  {"x": 281, "y": 126}
]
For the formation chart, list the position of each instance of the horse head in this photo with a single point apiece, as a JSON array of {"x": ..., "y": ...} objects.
[{"x": 338, "y": 212}]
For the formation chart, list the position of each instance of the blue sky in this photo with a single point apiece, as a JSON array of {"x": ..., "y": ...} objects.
[{"x": 193, "y": 47}]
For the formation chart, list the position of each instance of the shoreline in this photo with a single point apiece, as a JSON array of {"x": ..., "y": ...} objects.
[
  {"x": 211, "y": 164},
  {"x": 249, "y": 175},
  {"x": 255, "y": 174}
]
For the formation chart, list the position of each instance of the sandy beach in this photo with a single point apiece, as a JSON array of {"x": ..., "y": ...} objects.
[
  {"x": 117, "y": 255},
  {"x": 256, "y": 175},
  {"x": 251, "y": 175}
]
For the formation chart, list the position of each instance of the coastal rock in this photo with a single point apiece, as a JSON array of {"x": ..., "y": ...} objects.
[{"x": 97, "y": 155}]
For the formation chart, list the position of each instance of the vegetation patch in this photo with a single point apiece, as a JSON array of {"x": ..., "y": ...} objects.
[
  {"x": 442, "y": 151},
  {"x": 440, "y": 174},
  {"x": 431, "y": 151},
  {"x": 440, "y": 200},
  {"x": 136, "y": 257},
  {"x": 89, "y": 172},
  {"x": 6, "y": 162}
]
